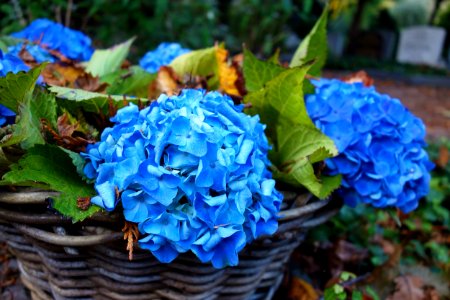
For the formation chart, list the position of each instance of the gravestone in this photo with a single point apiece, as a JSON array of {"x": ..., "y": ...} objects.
[{"x": 421, "y": 45}]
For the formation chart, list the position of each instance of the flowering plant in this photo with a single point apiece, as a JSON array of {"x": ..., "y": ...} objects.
[
  {"x": 380, "y": 142},
  {"x": 188, "y": 145},
  {"x": 163, "y": 55}
]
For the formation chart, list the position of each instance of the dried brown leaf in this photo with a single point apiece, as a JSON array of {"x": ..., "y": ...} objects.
[
  {"x": 84, "y": 203},
  {"x": 408, "y": 287},
  {"x": 89, "y": 83},
  {"x": 360, "y": 76},
  {"x": 166, "y": 82},
  {"x": 74, "y": 143},
  {"x": 228, "y": 73},
  {"x": 131, "y": 235},
  {"x": 443, "y": 157},
  {"x": 301, "y": 290},
  {"x": 431, "y": 293},
  {"x": 348, "y": 252},
  {"x": 65, "y": 128}
]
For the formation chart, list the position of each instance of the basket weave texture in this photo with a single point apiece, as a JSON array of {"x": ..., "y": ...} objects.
[{"x": 88, "y": 260}]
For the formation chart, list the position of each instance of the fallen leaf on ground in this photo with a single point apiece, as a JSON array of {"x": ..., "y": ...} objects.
[
  {"x": 443, "y": 157},
  {"x": 348, "y": 252},
  {"x": 408, "y": 287},
  {"x": 301, "y": 290}
]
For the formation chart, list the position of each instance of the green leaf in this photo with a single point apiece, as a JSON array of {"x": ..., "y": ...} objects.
[
  {"x": 105, "y": 61},
  {"x": 198, "y": 63},
  {"x": 49, "y": 167},
  {"x": 281, "y": 101},
  {"x": 357, "y": 295},
  {"x": 78, "y": 161},
  {"x": 27, "y": 130},
  {"x": 135, "y": 82},
  {"x": 335, "y": 292},
  {"x": 90, "y": 101},
  {"x": 275, "y": 58},
  {"x": 16, "y": 88},
  {"x": 257, "y": 72},
  {"x": 297, "y": 149},
  {"x": 313, "y": 47},
  {"x": 8, "y": 41},
  {"x": 297, "y": 142},
  {"x": 371, "y": 293}
]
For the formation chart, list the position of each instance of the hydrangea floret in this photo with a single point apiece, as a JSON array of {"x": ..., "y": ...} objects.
[
  {"x": 382, "y": 160},
  {"x": 163, "y": 55},
  {"x": 192, "y": 171},
  {"x": 71, "y": 43}
]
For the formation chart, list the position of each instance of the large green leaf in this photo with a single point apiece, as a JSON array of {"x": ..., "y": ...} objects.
[
  {"x": 313, "y": 47},
  {"x": 281, "y": 100},
  {"x": 257, "y": 72},
  {"x": 17, "y": 88},
  {"x": 105, "y": 61},
  {"x": 297, "y": 149},
  {"x": 198, "y": 63},
  {"x": 134, "y": 82},
  {"x": 297, "y": 143},
  {"x": 49, "y": 167}
]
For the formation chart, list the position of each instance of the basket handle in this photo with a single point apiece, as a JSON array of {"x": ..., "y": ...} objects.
[{"x": 68, "y": 240}]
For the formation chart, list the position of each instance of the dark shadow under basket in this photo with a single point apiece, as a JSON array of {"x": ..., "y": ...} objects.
[{"x": 88, "y": 260}]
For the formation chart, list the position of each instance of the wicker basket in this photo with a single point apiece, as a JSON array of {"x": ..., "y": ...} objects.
[{"x": 61, "y": 260}]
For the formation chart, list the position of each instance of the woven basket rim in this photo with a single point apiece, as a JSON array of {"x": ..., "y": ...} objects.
[{"x": 299, "y": 217}]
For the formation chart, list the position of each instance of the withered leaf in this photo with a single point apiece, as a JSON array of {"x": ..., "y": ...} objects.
[
  {"x": 301, "y": 290},
  {"x": 408, "y": 287},
  {"x": 166, "y": 82},
  {"x": 228, "y": 73},
  {"x": 131, "y": 235},
  {"x": 360, "y": 76}
]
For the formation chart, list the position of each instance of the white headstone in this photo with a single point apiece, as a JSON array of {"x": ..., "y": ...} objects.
[{"x": 421, "y": 45}]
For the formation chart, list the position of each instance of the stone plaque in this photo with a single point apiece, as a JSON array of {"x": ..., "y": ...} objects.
[{"x": 421, "y": 45}]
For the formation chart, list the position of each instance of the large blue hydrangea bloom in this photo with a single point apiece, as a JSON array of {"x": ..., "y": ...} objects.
[
  {"x": 9, "y": 63},
  {"x": 39, "y": 54},
  {"x": 382, "y": 160},
  {"x": 71, "y": 43},
  {"x": 163, "y": 55},
  {"x": 191, "y": 170}
]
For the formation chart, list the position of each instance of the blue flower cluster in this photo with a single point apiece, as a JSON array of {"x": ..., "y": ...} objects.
[
  {"x": 39, "y": 54},
  {"x": 71, "y": 43},
  {"x": 382, "y": 160},
  {"x": 9, "y": 63},
  {"x": 191, "y": 170},
  {"x": 161, "y": 56}
]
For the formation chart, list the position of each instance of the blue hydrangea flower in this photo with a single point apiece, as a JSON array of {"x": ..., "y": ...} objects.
[
  {"x": 71, "y": 43},
  {"x": 191, "y": 170},
  {"x": 39, "y": 54},
  {"x": 382, "y": 160},
  {"x": 163, "y": 55},
  {"x": 9, "y": 63}
]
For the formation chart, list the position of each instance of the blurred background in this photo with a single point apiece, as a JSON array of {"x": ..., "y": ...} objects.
[{"x": 361, "y": 32}]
